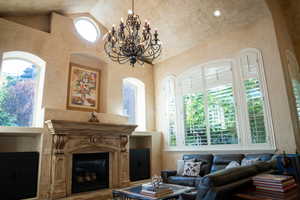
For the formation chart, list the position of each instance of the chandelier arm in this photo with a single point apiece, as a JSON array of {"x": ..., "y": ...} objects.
[{"x": 127, "y": 43}]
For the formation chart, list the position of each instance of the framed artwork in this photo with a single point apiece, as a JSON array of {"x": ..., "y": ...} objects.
[{"x": 83, "y": 88}]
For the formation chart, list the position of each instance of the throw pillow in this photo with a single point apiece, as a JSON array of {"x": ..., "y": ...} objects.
[
  {"x": 192, "y": 168},
  {"x": 247, "y": 162},
  {"x": 180, "y": 167},
  {"x": 232, "y": 164}
]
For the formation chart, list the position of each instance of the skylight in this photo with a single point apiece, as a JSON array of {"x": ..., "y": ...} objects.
[{"x": 87, "y": 29}]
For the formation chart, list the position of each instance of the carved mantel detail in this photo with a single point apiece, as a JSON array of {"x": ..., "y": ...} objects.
[
  {"x": 86, "y": 137},
  {"x": 59, "y": 142}
]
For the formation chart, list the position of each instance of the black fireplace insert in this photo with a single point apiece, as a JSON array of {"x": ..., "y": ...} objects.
[{"x": 90, "y": 172}]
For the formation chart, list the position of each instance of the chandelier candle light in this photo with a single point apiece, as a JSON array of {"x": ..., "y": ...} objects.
[{"x": 128, "y": 43}]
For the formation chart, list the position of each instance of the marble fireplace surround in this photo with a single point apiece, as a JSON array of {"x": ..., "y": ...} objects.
[{"x": 70, "y": 137}]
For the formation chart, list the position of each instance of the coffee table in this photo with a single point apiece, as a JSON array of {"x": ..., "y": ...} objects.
[{"x": 134, "y": 193}]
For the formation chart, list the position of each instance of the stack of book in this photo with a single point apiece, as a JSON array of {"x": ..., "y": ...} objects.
[
  {"x": 274, "y": 183},
  {"x": 147, "y": 189}
]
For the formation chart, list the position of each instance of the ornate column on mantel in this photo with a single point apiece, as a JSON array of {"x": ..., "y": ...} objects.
[{"x": 69, "y": 137}]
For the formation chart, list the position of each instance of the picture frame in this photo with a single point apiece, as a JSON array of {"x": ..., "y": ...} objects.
[{"x": 83, "y": 88}]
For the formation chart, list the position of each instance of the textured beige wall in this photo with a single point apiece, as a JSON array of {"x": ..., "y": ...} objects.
[
  {"x": 63, "y": 45},
  {"x": 260, "y": 35},
  {"x": 285, "y": 44}
]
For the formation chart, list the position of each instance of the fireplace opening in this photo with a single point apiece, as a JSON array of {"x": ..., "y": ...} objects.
[{"x": 90, "y": 172}]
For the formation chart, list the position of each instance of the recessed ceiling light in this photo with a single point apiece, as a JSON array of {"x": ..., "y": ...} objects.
[{"x": 217, "y": 13}]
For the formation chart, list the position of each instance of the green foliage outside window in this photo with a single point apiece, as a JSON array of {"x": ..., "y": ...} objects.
[
  {"x": 17, "y": 99},
  {"x": 220, "y": 117},
  {"x": 255, "y": 110},
  {"x": 194, "y": 119}
]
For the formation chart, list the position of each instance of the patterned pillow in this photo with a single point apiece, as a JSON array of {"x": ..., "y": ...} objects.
[
  {"x": 246, "y": 162},
  {"x": 180, "y": 165},
  {"x": 232, "y": 164},
  {"x": 192, "y": 168}
]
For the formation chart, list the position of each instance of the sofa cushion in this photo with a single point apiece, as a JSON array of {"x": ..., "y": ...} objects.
[
  {"x": 226, "y": 176},
  {"x": 180, "y": 167},
  {"x": 232, "y": 164},
  {"x": 263, "y": 166},
  {"x": 247, "y": 161},
  {"x": 222, "y": 160},
  {"x": 206, "y": 160},
  {"x": 261, "y": 157},
  {"x": 182, "y": 180}
]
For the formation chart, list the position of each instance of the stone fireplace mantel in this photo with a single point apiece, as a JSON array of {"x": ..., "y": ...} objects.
[
  {"x": 70, "y": 137},
  {"x": 88, "y": 128}
]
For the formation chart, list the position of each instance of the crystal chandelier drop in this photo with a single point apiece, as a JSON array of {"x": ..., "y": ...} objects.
[{"x": 128, "y": 43}]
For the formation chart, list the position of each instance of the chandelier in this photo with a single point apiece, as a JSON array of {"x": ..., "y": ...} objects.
[{"x": 129, "y": 43}]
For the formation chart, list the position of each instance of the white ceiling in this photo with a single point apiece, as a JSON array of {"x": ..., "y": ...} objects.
[{"x": 182, "y": 24}]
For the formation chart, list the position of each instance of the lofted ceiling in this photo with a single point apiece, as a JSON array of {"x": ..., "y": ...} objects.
[{"x": 182, "y": 24}]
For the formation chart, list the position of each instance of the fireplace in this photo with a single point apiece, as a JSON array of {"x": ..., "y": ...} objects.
[
  {"x": 90, "y": 172},
  {"x": 87, "y": 157}
]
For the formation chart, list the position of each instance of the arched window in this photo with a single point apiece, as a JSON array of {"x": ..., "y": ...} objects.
[
  {"x": 21, "y": 88},
  {"x": 255, "y": 96},
  {"x": 206, "y": 94},
  {"x": 87, "y": 28},
  {"x": 220, "y": 104},
  {"x": 134, "y": 102}
]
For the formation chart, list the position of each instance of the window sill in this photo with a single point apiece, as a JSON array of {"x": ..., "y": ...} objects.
[
  {"x": 20, "y": 131},
  {"x": 143, "y": 133},
  {"x": 225, "y": 149}
]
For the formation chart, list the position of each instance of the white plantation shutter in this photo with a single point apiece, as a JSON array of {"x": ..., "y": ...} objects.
[
  {"x": 295, "y": 76},
  {"x": 218, "y": 75},
  {"x": 249, "y": 63},
  {"x": 191, "y": 87},
  {"x": 170, "y": 109},
  {"x": 191, "y": 82},
  {"x": 296, "y": 91},
  {"x": 221, "y": 104},
  {"x": 254, "y": 96}
]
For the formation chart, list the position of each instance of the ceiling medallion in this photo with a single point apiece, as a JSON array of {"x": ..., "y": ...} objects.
[{"x": 127, "y": 43}]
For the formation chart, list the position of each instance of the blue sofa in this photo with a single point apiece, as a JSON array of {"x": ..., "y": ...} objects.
[{"x": 216, "y": 182}]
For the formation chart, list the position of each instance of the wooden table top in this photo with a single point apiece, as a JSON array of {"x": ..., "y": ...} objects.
[{"x": 252, "y": 193}]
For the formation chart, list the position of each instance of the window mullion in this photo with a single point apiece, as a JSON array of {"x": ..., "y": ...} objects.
[
  {"x": 206, "y": 108},
  {"x": 180, "y": 118},
  {"x": 242, "y": 109}
]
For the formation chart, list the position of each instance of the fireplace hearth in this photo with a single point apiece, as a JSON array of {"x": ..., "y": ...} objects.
[{"x": 90, "y": 172}]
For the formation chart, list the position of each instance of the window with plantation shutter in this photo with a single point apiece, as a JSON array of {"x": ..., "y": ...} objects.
[
  {"x": 294, "y": 71},
  {"x": 221, "y": 104},
  {"x": 254, "y": 97},
  {"x": 296, "y": 91},
  {"x": 209, "y": 105}
]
